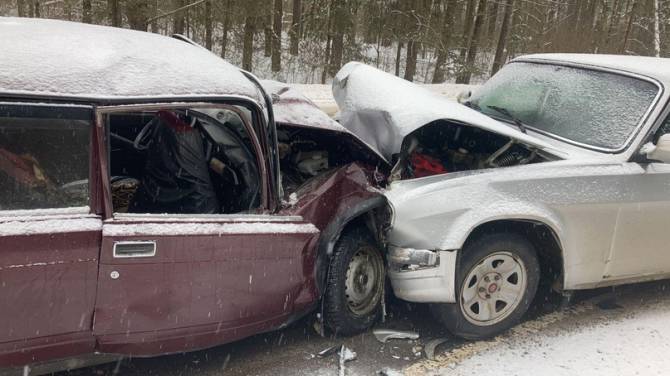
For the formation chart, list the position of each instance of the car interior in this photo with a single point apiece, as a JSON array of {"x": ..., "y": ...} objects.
[{"x": 193, "y": 161}]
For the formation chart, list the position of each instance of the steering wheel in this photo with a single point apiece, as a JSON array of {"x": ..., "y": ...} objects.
[{"x": 142, "y": 140}]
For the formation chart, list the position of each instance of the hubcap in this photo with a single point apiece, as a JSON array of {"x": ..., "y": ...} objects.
[
  {"x": 493, "y": 289},
  {"x": 364, "y": 281}
]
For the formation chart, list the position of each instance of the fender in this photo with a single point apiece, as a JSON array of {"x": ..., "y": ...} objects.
[{"x": 331, "y": 234}]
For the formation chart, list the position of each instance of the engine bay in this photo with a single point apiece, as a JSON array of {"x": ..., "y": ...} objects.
[
  {"x": 444, "y": 147},
  {"x": 307, "y": 153}
]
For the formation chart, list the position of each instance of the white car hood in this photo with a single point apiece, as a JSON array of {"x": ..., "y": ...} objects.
[{"x": 383, "y": 109}]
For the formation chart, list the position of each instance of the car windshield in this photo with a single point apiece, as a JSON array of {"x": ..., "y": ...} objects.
[{"x": 595, "y": 108}]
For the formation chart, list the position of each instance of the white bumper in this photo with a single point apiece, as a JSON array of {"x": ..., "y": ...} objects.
[{"x": 423, "y": 276}]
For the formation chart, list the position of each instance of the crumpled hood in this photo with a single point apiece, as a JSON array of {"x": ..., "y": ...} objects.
[{"x": 383, "y": 109}]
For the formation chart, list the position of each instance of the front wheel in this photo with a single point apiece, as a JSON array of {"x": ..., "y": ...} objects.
[
  {"x": 496, "y": 283},
  {"x": 353, "y": 299}
]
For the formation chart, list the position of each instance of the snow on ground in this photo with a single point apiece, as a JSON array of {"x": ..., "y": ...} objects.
[{"x": 633, "y": 339}]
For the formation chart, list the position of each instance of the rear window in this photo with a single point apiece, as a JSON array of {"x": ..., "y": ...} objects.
[{"x": 44, "y": 157}]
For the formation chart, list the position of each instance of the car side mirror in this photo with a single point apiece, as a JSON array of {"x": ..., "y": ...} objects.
[{"x": 660, "y": 151}]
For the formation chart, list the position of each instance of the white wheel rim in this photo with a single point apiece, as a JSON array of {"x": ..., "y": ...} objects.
[{"x": 493, "y": 289}]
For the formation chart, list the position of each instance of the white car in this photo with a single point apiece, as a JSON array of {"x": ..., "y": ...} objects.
[{"x": 556, "y": 168}]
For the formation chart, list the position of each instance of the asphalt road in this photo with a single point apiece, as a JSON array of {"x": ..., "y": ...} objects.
[{"x": 292, "y": 351}]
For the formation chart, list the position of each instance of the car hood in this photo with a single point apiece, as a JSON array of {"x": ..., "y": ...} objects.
[{"x": 383, "y": 109}]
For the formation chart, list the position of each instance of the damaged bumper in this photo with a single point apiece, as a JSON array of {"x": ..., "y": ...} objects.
[{"x": 421, "y": 275}]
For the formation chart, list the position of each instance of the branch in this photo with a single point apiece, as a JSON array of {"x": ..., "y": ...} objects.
[{"x": 152, "y": 19}]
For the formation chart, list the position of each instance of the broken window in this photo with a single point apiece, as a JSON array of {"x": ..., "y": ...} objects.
[
  {"x": 183, "y": 161},
  {"x": 44, "y": 157}
]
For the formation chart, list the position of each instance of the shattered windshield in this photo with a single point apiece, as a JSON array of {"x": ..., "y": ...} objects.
[{"x": 595, "y": 108}]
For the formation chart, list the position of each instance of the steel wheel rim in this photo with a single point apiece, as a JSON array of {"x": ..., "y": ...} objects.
[
  {"x": 493, "y": 288},
  {"x": 364, "y": 281}
]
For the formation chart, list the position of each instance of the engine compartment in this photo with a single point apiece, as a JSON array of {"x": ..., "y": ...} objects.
[
  {"x": 307, "y": 153},
  {"x": 443, "y": 147}
]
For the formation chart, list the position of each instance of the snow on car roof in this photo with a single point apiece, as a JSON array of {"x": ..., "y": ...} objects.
[
  {"x": 59, "y": 58},
  {"x": 653, "y": 67}
]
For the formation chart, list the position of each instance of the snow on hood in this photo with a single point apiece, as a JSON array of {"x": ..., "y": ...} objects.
[
  {"x": 292, "y": 107},
  {"x": 383, "y": 109},
  {"x": 58, "y": 58}
]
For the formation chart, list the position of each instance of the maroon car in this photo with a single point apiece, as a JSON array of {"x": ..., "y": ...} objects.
[{"x": 155, "y": 199}]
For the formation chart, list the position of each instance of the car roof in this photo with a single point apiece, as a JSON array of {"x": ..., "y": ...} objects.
[
  {"x": 652, "y": 67},
  {"x": 54, "y": 58}
]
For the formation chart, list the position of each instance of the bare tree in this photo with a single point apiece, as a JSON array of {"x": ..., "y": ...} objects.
[
  {"x": 296, "y": 26},
  {"x": 208, "y": 25},
  {"x": 472, "y": 46},
  {"x": 86, "y": 15},
  {"x": 278, "y": 16},
  {"x": 498, "y": 59},
  {"x": 439, "y": 75}
]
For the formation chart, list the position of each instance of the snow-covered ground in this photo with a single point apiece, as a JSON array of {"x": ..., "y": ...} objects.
[{"x": 629, "y": 336}]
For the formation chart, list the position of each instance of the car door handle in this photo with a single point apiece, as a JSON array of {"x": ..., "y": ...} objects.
[{"x": 129, "y": 249}]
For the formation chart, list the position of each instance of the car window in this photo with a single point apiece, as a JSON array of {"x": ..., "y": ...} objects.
[
  {"x": 44, "y": 157},
  {"x": 596, "y": 108},
  {"x": 183, "y": 161}
]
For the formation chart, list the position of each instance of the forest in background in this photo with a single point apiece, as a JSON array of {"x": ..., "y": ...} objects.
[{"x": 428, "y": 41}]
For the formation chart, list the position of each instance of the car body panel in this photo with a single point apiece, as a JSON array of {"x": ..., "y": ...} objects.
[
  {"x": 213, "y": 275},
  {"x": 48, "y": 267}
]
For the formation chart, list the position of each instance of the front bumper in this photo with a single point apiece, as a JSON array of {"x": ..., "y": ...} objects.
[{"x": 423, "y": 276}]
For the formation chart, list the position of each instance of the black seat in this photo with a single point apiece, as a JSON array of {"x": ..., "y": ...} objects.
[{"x": 176, "y": 176}]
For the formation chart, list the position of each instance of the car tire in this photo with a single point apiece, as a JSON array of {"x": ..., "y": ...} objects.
[
  {"x": 497, "y": 279},
  {"x": 356, "y": 277}
]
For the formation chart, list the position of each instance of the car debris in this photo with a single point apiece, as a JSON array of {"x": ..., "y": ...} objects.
[
  {"x": 328, "y": 351},
  {"x": 383, "y": 335},
  {"x": 430, "y": 347},
  {"x": 346, "y": 355}
]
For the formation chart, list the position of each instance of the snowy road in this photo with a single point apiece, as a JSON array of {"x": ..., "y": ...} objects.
[{"x": 624, "y": 332}]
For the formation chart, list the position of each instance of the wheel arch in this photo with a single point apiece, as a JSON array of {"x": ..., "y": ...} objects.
[
  {"x": 331, "y": 234},
  {"x": 542, "y": 235}
]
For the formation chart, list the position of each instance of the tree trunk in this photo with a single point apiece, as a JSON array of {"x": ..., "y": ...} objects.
[
  {"x": 493, "y": 18},
  {"x": 248, "y": 42},
  {"x": 657, "y": 29},
  {"x": 410, "y": 61},
  {"x": 226, "y": 26},
  {"x": 208, "y": 25},
  {"x": 276, "y": 35},
  {"x": 267, "y": 35},
  {"x": 397, "y": 59},
  {"x": 296, "y": 26},
  {"x": 440, "y": 72},
  {"x": 629, "y": 27},
  {"x": 86, "y": 16},
  {"x": 467, "y": 27},
  {"x": 34, "y": 8},
  {"x": 137, "y": 13},
  {"x": 178, "y": 18},
  {"x": 502, "y": 38},
  {"x": 114, "y": 13},
  {"x": 339, "y": 26},
  {"x": 472, "y": 47}
]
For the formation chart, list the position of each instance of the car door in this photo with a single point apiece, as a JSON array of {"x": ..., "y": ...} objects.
[
  {"x": 174, "y": 282},
  {"x": 641, "y": 246},
  {"x": 49, "y": 232}
]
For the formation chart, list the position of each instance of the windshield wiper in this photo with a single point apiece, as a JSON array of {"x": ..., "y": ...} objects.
[
  {"x": 472, "y": 105},
  {"x": 504, "y": 111}
]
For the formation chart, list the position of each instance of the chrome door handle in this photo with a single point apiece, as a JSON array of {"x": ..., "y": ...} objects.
[{"x": 129, "y": 249}]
